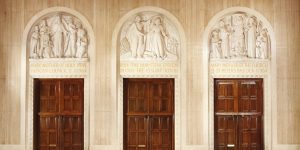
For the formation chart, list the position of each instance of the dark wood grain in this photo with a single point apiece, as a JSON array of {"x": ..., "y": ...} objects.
[
  {"x": 58, "y": 122},
  {"x": 148, "y": 114},
  {"x": 238, "y": 114}
]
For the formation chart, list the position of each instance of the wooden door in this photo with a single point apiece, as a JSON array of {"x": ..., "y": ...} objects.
[
  {"x": 148, "y": 114},
  {"x": 238, "y": 114},
  {"x": 58, "y": 114}
]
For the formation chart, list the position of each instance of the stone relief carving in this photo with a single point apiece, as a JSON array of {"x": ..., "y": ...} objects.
[
  {"x": 148, "y": 36},
  {"x": 239, "y": 36},
  {"x": 58, "y": 36}
]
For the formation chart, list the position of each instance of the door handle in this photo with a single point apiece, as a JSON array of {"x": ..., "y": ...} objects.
[
  {"x": 141, "y": 146},
  {"x": 230, "y": 145},
  {"x": 52, "y": 145}
]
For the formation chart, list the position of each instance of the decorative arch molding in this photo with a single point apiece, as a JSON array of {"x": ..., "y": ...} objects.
[
  {"x": 126, "y": 64},
  {"x": 242, "y": 65},
  {"x": 57, "y": 66}
]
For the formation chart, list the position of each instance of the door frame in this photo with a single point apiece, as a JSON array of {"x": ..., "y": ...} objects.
[
  {"x": 177, "y": 125},
  {"x": 148, "y": 125},
  {"x": 37, "y": 104},
  {"x": 262, "y": 116},
  {"x": 31, "y": 105},
  {"x": 267, "y": 115}
]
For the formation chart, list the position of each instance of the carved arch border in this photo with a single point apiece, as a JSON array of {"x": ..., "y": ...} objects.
[
  {"x": 26, "y": 90},
  {"x": 269, "y": 79},
  {"x": 180, "y": 79}
]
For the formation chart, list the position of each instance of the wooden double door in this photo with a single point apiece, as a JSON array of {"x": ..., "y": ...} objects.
[
  {"x": 148, "y": 114},
  {"x": 238, "y": 114},
  {"x": 58, "y": 114}
]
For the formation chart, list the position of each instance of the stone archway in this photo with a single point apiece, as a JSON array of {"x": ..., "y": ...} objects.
[
  {"x": 54, "y": 60},
  {"x": 126, "y": 65},
  {"x": 242, "y": 62}
]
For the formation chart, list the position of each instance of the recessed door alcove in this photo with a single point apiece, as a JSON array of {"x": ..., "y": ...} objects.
[
  {"x": 146, "y": 55},
  {"x": 57, "y": 42},
  {"x": 239, "y": 42}
]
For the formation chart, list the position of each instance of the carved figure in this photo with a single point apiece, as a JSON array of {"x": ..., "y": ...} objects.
[
  {"x": 172, "y": 45},
  {"x": 71, "y": 38},
  {"x": 156, "y": 41},
  {"x": 262, "y": 45},
  {"x": 35, "y": 43},
  {"x": 46, "y": 43},
  {"x": 251, "y": 37},
  {"x": 146, "y": 36},
  {"x": 224, "y": 36},
  {"x": 238, "y": 37},
  {"x": 135, "y": 37},
  {"x": 82, "y": 42},
  {"x": 215, "y": 45},
  {"x": 58, "y": 37}
]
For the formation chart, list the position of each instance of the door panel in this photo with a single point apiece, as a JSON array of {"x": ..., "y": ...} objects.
[
  {"x": 250, "y": 132},
  {"x": 49, "y": 96},
  {"x": 71, "y": 95},
  {"x": 250, "y": 96},
  {"x": 148, "y": 114},
  {"x": 71, "y": 132},
  {"x": 226, "y": 132},
  {"x": 137, "y": 129},
  {"x": 161, "y": 97},
  {"x": 48, "y": 133},
  {"x": 226, "y": 96},
  {"x": 137, "y": 97},
  {"x": 161, "y": 133},
  {"x": 238, "y": 114},
  {"x": 59, "y": 113}
]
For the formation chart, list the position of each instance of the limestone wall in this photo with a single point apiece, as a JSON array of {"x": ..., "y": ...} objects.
[{"x": 193, "y": 15}]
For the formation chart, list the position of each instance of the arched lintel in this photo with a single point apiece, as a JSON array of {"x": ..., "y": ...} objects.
[
  {"x": 170, "y": 16},
  {"x": 231, "y": 10},
  {"x": 147, "y": 8},
  {"x": 50, "y": 10}
]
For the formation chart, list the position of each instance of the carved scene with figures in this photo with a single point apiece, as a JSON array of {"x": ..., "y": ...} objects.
[
  {"x": 149, "y": 36},
  {"x": 58, "y": 35},
  {"x": 239, "y": 36}
]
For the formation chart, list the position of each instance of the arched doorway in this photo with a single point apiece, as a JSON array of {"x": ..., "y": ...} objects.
[
  {"x": 67, "y": 54},
  {"x": 240, "y": 43},
  {"x": 127, "y": 63}
]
